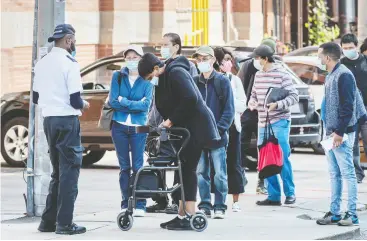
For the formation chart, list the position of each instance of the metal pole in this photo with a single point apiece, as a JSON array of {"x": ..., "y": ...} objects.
[
  {"x": 51, "y": 13},
  {"x": 31, "y": 124}
]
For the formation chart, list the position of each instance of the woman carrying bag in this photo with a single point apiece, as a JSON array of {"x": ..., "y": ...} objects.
[
  {"x": 130, "y": 98},
  {"x": 274, "y": 118},
  {"x": 236, "y": 177}
]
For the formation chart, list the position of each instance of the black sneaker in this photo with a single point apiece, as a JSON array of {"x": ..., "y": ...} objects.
[
  {"x": 47, "y": 227},
  {"x": 164, "y": 225},
  {"x": 329, "y": 219},
  {"x": 155, "y": 208},
  {"x": 180, "y": 224},
  {"x": 268, "y": 202},
  {"x": 70, "y": 229},
  {"x": 207, "y": 212},
  {"x": 171, "y": 209}
]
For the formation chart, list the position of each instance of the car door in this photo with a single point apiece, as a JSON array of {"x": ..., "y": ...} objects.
[{"x": 96, "y": 83}]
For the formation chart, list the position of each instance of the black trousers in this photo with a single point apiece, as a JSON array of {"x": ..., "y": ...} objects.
[
  {"x": 66, "y": 153},
  {"x": 249, "y": 120},
  {"x": 235, "y": 172}
]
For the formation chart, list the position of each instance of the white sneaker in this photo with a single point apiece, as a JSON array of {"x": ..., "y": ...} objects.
[
  {"x": 139, "y": 213},
  {"x": 236, "y": 207},
  {"x": 219, "y": 214}
]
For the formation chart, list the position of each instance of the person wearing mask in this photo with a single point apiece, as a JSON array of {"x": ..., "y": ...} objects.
[
  {"x": 170, "y": 49},
  {"x": 57, "y": 89},
  {"x": 236, "y": 177},
  {"x": 272, "y": 74},
  {"x": 357, "y": 64},
  {"x": 180, "y": 103},
  {"x": 340, "y": 114},
  {"x": 249, "y": 118},
  {"x": 216, "y": 91},
  {"x": 130, "y": 96}
]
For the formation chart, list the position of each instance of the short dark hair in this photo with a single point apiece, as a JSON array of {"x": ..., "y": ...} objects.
[
  {"x": 147, "y": 63},
  {"x": 271, "y": 59},
  {"x": 349, "y": 38},
  {"x": 175, "y": 39},
  {"x": 332, "y": 50}
]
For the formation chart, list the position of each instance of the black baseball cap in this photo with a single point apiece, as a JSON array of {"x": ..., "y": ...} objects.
[
  {"x": 60, "y": 31},
  {"x": 262, "y": 51}
]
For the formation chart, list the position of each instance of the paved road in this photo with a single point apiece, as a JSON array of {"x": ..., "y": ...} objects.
[{"x": 99, "y": 198}]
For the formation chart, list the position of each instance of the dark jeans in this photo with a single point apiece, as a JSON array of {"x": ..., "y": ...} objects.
[
  {"x": 356, "y": 150},
  {"x": 66, "y": 153},
  {"x": 124, "y": 136},
  {"x": 236, "y": 177}
]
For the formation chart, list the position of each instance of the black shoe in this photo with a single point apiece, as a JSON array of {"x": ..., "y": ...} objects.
[
  {"x": 268, "y": 202},
  {"x": 164, "y": 225},
  {"x": 156, "y": 208},
  {"x": 290, "y": 200},
  {"x": 207, "y": 212},
  {"x": 70, "y": 229},
  {"x": 46, "y": 227},
  {"x": 180, "y": 224}
]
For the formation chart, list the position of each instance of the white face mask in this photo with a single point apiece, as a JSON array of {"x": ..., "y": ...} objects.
[
  {"x": 166, "y": 53},
  {"x": 204, "y": 67},
  {"x": 320, "y": 65},
  {"x": 154, "y": 81},
  {"x": 132, "y": 65},
  {"x": 257, "y": 64}
]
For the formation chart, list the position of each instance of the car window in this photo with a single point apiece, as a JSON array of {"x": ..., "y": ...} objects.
[
  {"x": 312, "y": 53},
  {"x": 100, "y": 77},
  {"x": 309, "y": 74}
]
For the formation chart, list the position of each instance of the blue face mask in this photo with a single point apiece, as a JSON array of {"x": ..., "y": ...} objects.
[
  {"x": 73, "y": 53},
  {"x": 351, "y": 53},
  {"x": 132, "y": 65},
  {"x": 204, "y": 67},
  {"x": 154, "y": 81},
  {"x": 165, "y": 53}
]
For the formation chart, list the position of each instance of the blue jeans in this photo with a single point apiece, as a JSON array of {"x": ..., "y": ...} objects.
[
  {"x": 124, "y": 136},
  {"x": 341, "y": 166},
  {"x": 217, "y": 159},
  {"x": 281, "y": 131}
]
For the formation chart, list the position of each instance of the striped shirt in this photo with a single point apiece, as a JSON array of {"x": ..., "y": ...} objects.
[{"x": 276, "y": 77}]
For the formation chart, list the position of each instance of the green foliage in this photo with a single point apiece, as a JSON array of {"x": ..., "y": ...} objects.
[{"x": 318, "y": 19}]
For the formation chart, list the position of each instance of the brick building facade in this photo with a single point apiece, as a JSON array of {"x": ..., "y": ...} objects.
[{"x": 105, "y": 27}]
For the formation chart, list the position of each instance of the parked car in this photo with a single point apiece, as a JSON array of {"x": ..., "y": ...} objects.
[
  {"x": 307, "y": 70},
  {"x": 306, "y": 51}
]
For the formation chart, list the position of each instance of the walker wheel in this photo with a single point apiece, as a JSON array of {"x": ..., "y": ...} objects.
[
  {"x": 124, "y": 221},
  {"x": 199, "y": 222}
]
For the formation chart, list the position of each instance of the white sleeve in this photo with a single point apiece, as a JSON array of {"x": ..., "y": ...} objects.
[
  {"x": 35, "y": 80},
  {"x": 73, "y": 79}
]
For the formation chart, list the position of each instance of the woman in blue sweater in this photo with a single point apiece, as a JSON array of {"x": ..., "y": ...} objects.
[{"x": 130, "y": 96}]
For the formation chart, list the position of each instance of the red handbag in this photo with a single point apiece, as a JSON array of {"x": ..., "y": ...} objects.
[{"x": 270, "y": 161}]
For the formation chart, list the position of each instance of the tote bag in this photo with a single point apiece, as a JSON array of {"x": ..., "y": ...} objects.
[{"x": 270, "y": 153}]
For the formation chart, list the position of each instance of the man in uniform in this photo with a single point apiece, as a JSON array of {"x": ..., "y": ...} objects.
[{"x": 57, "y": 89}]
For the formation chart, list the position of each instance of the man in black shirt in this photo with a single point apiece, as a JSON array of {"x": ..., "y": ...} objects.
[{"x": 357, "y": 63}]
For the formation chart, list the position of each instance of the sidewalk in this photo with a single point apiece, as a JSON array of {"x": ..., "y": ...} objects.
[{"x": 97, "y": 209}]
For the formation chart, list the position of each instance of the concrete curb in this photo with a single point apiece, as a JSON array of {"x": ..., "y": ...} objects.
[{"x": 343, "y": 236}]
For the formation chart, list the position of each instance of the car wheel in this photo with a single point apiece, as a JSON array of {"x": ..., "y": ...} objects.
[
  {"x": 317, "y": 148},
  {"x": 14, "y": 142},
  {"x": 91, "y": 157}
]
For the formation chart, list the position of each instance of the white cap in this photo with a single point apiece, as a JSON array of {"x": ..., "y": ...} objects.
[{"x": 138, "y": 49}]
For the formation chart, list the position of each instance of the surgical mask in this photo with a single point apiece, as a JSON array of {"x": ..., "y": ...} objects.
[
  {"x": 226, "y": 66},
  {"x": 257, "y": 65},
  {"x": 132, "y": 65},
  {"x": 73, "y": 53},
  {"x": 320, "y": 65},
  {"x": 154, "y": 81},
  {"x": 166, "y": 53},
  {"x": 204, "y": 67},
  {"x": 350, "y": 53},
  {"x": 72, "y": 49}
]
